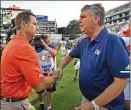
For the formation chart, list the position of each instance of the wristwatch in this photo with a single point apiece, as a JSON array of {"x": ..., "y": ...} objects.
[{"x": 95, "y": 106}]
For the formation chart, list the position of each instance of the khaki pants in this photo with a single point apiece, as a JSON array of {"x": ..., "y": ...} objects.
[
  {"x": 84, "y": 100},
  {"x": 20, "y": 105}
]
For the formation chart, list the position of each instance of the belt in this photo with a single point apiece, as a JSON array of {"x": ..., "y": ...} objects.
[{"x": 12, "y": 99}]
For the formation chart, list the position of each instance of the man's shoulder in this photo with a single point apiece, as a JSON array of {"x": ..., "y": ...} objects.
[
  {"x": 83, "y": 40},
  {"x": 23, "y": 46},
  {"x": 111, "y": 37},
  {"x": 23, "y": 50},
  {"x": 27, "y": 46}
]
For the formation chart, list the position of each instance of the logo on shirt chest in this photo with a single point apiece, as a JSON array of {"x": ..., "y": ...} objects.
[{"x": 97, "y": 52}]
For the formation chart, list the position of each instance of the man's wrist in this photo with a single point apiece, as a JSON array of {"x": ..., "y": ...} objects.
[
  {"x": 55, "y": 77},
  {"x": 59, "y": 69},
  {"x": 95, "y": 106}
]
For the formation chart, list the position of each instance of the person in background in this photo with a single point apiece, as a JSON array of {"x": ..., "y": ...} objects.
[
  {"x": 125, "y": 36},
  {"x": 101, "y": 77},
  {"x": 62, "y": 46},
  {"x": 69, "y": 46},
  {"x": 63, "y": 49},
  {"x": 76, "y": 67},
  {"x": 20, "y": 70},
  {"x": 1, "y": 46},
  {"x": 46, "y": 56},
  {"x": 11, "y": 32}
]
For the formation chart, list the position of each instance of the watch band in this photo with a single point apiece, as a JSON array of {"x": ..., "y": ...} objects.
[{"x": 96, "y": 107}]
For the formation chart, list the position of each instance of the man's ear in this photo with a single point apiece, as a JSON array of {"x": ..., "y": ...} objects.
[
  {"x": 96, "y": 19},
  {"x": 23, "y": 25}
]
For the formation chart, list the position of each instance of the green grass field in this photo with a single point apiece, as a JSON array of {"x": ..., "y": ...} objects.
[{"x": 67, "y": 95}]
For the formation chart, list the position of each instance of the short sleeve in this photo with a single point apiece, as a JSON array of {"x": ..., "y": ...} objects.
[
  {"x": 75, "y": 53},
  {"x": 117, "y": 58},
  {"x": 30, "y": 68}
]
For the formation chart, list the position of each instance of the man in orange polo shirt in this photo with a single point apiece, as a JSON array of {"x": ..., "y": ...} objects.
[{"x": 20, "y": 71}]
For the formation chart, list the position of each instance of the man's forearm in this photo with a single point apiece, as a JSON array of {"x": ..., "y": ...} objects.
[
  {"x": 111, "y": 92},
  {"x": 46, "y": 83},
  {"x": 65, "y": 61}
]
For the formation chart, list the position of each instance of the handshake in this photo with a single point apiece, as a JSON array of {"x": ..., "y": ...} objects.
[
  {"x": 53, "y": 78},
  {"x": 57, "y": 74},
  {"x": 49, "y": 80}
]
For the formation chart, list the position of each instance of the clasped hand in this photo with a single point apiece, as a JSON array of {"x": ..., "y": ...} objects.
[{"x": 57, "y": 73}]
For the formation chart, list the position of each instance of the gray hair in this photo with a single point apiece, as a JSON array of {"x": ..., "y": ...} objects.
[{"x": 96, "y": 10}]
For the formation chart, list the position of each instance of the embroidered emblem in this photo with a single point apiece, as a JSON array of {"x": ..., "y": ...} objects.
[
  {"x": 41, "y": 75},
  {"x": 97, "y": 52}
]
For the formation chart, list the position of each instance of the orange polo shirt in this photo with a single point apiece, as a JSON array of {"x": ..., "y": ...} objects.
[{"x": 19, "y": 69}]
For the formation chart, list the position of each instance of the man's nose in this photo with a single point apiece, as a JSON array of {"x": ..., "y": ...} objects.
[
  {"x": 79, "y": 21},
  {"x": 37, "y": 27}
]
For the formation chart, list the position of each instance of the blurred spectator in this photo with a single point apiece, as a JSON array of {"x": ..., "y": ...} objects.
[
  {"x": 46, "y": 57},
  {"x": 11, "y": 32},
  {"x": 1, "y": 46},
  {"x": 69, "y": 46},
  {"x": 76, "y": 67},
  {"x": 63, "y": 46}
]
